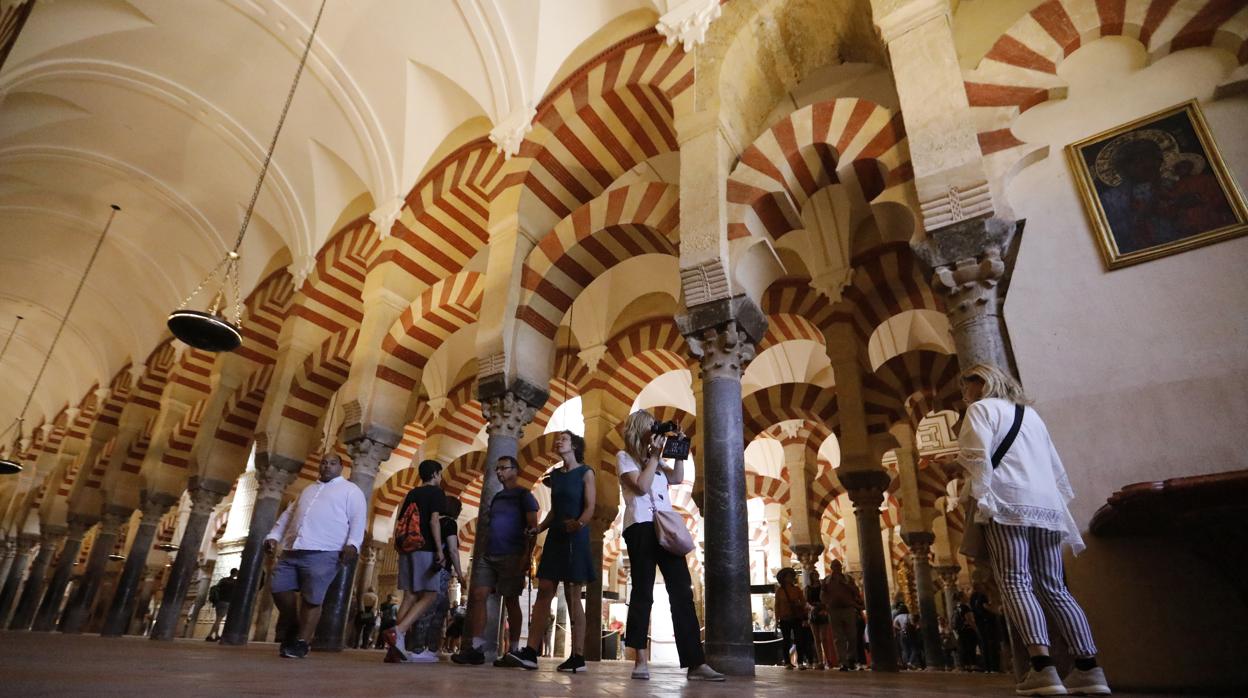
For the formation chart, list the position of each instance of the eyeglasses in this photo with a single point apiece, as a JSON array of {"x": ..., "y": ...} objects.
[{"x": 503, "y": 467}]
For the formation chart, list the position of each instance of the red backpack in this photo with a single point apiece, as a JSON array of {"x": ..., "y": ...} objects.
[{"x": 408, "y": 537}]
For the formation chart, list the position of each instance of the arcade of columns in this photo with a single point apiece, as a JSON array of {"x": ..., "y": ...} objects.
[{"x": 806, "y": 266}]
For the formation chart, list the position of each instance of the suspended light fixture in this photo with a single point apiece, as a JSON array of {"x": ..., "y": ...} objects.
[
  {"x": 219, "y": 328},
  {"x": 11, "y": 464}
]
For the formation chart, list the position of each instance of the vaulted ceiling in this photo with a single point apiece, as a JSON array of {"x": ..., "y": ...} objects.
[{"x": 166, "y": 107}]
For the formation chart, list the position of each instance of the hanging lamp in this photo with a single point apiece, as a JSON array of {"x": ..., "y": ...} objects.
[
  {"x": 12, "y": 464},
  {"x": 219, "y": 327}
]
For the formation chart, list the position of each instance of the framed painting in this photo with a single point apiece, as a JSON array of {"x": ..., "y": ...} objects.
[{"x": 1157, "y": 186}]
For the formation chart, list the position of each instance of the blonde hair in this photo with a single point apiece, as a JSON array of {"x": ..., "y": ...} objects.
[
  {"x": 997, "y": 383},
  {"x": 637, "y": 435}
]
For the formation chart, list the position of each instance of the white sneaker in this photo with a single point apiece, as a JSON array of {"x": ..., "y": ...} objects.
[
  {"x": 1041, "y": 683},
  {"x": 1087, "y": 683},
  {"x": 423, "y": 657}
]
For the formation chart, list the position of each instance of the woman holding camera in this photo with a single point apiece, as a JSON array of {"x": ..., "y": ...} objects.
[{"x": 647, "y": 483}]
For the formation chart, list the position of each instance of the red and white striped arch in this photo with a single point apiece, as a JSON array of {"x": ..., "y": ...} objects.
[
  {"x": 635, "y": 357},
  {"x": 924, "y": 381},
  {"x": 850, "y": 141},
  {"x": 138, "y": 448},
  {"x": 461, "y": 420},
  {"x": 782, "y": 402},
  {"x": 319, "y": 377},
  {"x": 242, "y": 410},
  {"x": 151, "y": 384},
  {"x": 460, "y": 475},
  {"x": 538, "y": 456},
  {"x": 888, "y": 280},
  {"x": 266, "y": 310},
  {"x": 388, "y": 497},
  {"x": 332, "y": 296},
  {"x": 769, "y": 489},
  {"x": 439, "y": 312}
]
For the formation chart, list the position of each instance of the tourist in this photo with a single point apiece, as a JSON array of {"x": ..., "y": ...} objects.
[
  {"x": 389, "y": 617},
  {"x": 365, "y": 620},
  {"x": 219, "y": 595},
  {"x": 565, "y": 555},
  {"x": 427, "y": 636},
  {"x": 1021, "y": 497},
  {"x": 419, "y": 569},
  {"x": 988, "y": 623},
  {"x": 819, "y": 626},
  {"x": 907, "y": 632},
  {"x": 968, "y": 634},
  {"x": 792, "y": 613},
  {"x": 646, "y": 482},
  {"x": 318, "y": 534},
  {"x": 840, "y": 596},
  {"x": 948, "y": 645},
  {"x": 504, "y": 568}
]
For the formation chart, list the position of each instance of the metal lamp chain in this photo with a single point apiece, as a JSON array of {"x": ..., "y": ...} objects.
[
  {"x": 9, "y": 341},
  {"x": 65, "y": 319}
]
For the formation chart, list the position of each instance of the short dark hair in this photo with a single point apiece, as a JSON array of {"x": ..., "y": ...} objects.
[
  {"x": 453, "y": 507},
  {"x": 578, "y": 446},
  {"x": 510, "y": 459},
  {"x": 429, "y": 469}
]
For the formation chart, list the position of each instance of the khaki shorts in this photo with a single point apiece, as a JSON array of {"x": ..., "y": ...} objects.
[{"x": 503, "y": 573}]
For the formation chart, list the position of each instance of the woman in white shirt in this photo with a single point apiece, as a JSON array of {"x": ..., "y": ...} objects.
[
  {"x": 1022, "y": 502},
  {"x": 646, "y": 483}
]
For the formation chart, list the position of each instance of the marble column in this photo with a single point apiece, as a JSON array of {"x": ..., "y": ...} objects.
[
  {"x": 949, "y": 583},
  {"x": 808, "y": 555},
  {"x": 203, "y": 582},
  {"x": 49, "y": 538},
  {"x": 78, "y": 608},
  {"x": 8, "y": 551},
  {"x": 506, "y": 414},
  {"x": 273, "y": 474},
  {"x": 205, "y": 495},
  {"x": 24, "y": 547},
  {"x": 866, "y": 490},
  {"x": 126, "y": 594},
  {"x": 920, "y": 548},
  {"x": 723, "y": 334},
  {"x": 367, "y": 455},
  {"x": 45, "y": 619}
]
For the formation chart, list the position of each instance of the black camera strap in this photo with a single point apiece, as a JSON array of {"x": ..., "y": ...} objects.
[{"x": 1008, "y": 441}]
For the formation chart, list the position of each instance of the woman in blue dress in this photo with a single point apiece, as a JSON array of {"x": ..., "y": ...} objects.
[{"x": 565, "y": 556}]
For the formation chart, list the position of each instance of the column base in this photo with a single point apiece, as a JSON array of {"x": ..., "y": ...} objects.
[{"x": 731, "y": 658}]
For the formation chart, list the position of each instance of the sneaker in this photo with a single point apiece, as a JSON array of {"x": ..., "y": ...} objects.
[
  {"x": 423, "y": 657},
  {"x": 527, "y": 657},
  {"x": 641, "y": 673},
  {"x": 572, "y": 664},
  {"x": 394, "y": 655},
  {"x": 390, "y": 637},
  {"x": 500, "y": 662},
  {"x": 1041, "y": 683},
  {"x": 468, "y": 655},
  {"x": 703, "y": 672},
  {"x": 801, "y": 667},
  {"x": 1087, "y": 683},
  {"x": 287, "y": 650}
]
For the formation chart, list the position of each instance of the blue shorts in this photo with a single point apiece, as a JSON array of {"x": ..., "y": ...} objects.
[
  {"x": 308, "y": 571},
  {"x": 418, "y": 571}
]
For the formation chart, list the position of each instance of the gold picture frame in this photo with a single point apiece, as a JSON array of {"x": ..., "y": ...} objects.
[{"x": 1157, "y": 186}]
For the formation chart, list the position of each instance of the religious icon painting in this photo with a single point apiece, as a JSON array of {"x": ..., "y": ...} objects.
[{"x": 1157, "y": 186}]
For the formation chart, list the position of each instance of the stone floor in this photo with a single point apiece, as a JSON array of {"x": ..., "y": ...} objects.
[{"x": 36, "y": 664}]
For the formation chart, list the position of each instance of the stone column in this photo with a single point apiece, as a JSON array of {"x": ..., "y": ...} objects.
[
  {"x": 808, "y": 555},
  {"x": 78, "y": 608},
  {"x": 45, "y": 619},
  {"x": 921, "y": 547},
  {"x": 866, "y": 490},
  {"x": 204, "y": 580},
  {"x": 205, "y": 494},
  {"x": 723, "y": 335},
  {"x": 7, "y": 553},
  {"x": 593, "y": 593},
  {"x": 28, "y": 604},
  {"x": 126, "y": 594},
  {"x": 506, "y": 414},
  {"x": 273, "y": 474},
  {"x": 367, "y": 455},
  {"x": 26, "y": 543},
  {"x": 949, "y": 583}
]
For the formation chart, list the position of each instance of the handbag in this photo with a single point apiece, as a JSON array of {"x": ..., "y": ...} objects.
[
  {"x": 974, "y": 542},
  {"x": 669, "y": 528}
]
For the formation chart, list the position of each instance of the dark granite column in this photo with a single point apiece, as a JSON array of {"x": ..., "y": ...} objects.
[
  {"x": 126, "y": 595},
  {"x": 948, "y": 583},
  {"x": 78, "y": 608},
  {"x": 205, "y": 495},
  {"x": 50, "y": 537},
  {"x": 506, "y": 413},
  {"x": 26, "y": 543},
  {"x": 723, "y": 334},
  {"x": 866, "y": 491},
  {"x": 203, "y": 582},
  {"x": 593, "y": 594},
  {"x": 925, "y": 588},
  {"x": 273, "y": 474},
  {"x": 50, "y": 608},
  {"x": 367, "y": 455}
]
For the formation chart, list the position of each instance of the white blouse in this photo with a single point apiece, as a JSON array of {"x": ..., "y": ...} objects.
[
  {"x": 637, "y": 506},
  {"x": 1029, "y": 487}
]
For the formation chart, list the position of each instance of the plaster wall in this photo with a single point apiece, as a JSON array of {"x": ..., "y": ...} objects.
[{"x": 1140, "y": 373}]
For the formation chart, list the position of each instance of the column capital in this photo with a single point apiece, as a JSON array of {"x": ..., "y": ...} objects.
[
  {"x": 367, "y": 455},
  {"x": 808, "y": 554},
  {"x": 154, "y": 505},
  {"x": 27, "y": 540},
  {"x": 51, "y": 534},
  {"x": 272, "y": 481},
  {"x": 723, "y": 334},
  {"x": 78, "y": 525},
  {"x": 865, "y": 487},
  {"x": 204, "y": 498},
  {"x": 112, "y": 518},
  {"x": 507, "y": 414},
  {"x": 920, "y": 542}
]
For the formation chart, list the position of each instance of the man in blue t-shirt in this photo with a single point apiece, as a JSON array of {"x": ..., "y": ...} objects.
[{"x": 513, "y": 512}]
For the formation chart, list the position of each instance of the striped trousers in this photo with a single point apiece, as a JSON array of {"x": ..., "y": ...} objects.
[{"x": 1027, "y": 563}]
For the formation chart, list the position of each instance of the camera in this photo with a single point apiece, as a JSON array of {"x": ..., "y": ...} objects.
[{"x": 677, "y": 444}]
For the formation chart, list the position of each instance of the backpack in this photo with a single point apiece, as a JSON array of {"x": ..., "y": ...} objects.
[
  {"x": 408, "y": 538},
  {"x": 214, "y": 594}
]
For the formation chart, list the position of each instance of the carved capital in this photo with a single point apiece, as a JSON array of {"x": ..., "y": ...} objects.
[
  {"x": 204, "y": 500},
  {"x": 155, "y": 505},
  {"x": 688, "y": 21},
  {"x": 78, "y": 525},
  {"x": 367, "y": 456},
  {"x": 112, "y": 519},
  {"x": 26, "y": 541},
  {"x": 725, "y": 351},
  {"x": 272, "y": 482},
  {"x": 509, "y": 133},
  {"x": 507, "y": 414},
  {"x": 723, "y": 335},
  {"x": 865, "y": 487},
  {"x": 948, "y": 575},
  {"x": 301, "y": 268},
  {"x": 808, "y": 554},
  {"x": 51, "y": 534},
  {"x": 970, "y": 286},
  {"x": 920, "y": 543},
  {"x": 385, "y": 215}
]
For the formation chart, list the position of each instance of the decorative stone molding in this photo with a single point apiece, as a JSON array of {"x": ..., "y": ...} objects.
[
  {"x": 905, "y": 16},
  {"x": 831, "y": 283},
  {"x": 385, "y": 215},
  {"x": 724, "y": 351},
  {"x": 51, "y": 535},
  {"x": 865, "y": 487},
  {"x": 507, "y": 415},
  {"x": 272, "y": 482},
  {"x": 78, "y": 526},
  {"x": 957, "y": 204},
  {"x": 920, "y": 542},
  {"x": 155, "y": 505},
  {"x": 367, "y": 455},
  {"x": 301, "y": 268},
  {"x": 437, "y": 404},
  {"x": 971, "y": 286},
  {"x": 112, "y": 519},
  {"x": 808, "y": 554},
  {"x": 688, "y": 22},
  {"x": 509, "y": 133},
  {"x": 205, "y": 497},
  {"x": 590, "y": 356},
  {"x": 705, "y": 283},
  {"x": 948, "y": 575},
  {"x": 723, "y": 334}
]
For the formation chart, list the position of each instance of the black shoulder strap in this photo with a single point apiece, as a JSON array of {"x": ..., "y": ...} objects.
[{"x": 1008, "y": 441}]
